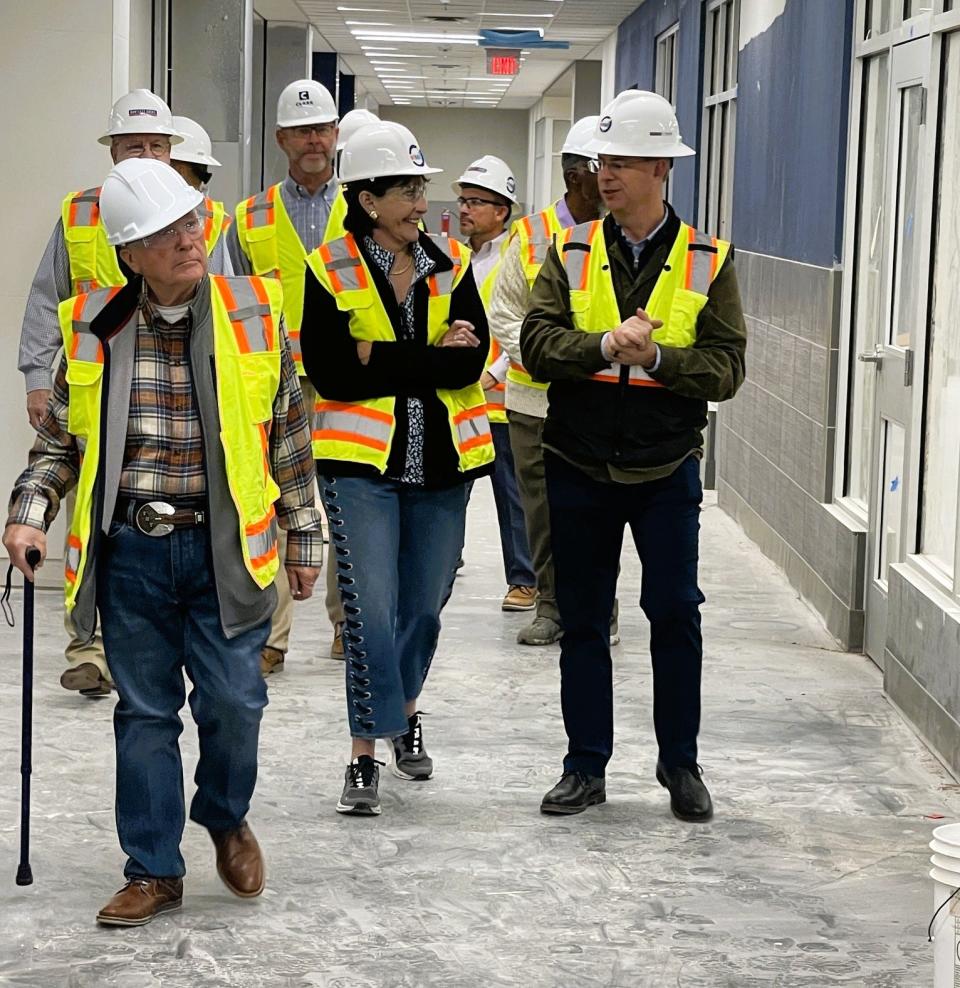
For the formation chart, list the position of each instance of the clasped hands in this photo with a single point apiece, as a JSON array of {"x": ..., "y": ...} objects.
[{"x": 630, "y": 342}]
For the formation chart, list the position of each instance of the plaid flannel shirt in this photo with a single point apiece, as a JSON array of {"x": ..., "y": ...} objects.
[{"x": 163, "y": 455}]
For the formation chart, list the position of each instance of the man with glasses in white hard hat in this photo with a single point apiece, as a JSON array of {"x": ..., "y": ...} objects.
[
  {"x": 193, "y": 158},
  {"x": 636, "y": 322},
  {"x": 177, "y": 413},
  {"x": 486, "y": 194},
  {"x": 272, "y": 234},
  {"x": 526, "y": 399},
  {"x": 78, "y": 258}
]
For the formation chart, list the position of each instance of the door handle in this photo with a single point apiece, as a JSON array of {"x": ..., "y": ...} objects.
[{"x": 872, "y": 356}]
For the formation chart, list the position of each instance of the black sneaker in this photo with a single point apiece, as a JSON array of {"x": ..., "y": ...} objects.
[
  {"x": 689, "y": 797},
  {"x": 410, "y": 758},
  {"x": 574, "y": 793},
  {"x": 360, "y": 794}
]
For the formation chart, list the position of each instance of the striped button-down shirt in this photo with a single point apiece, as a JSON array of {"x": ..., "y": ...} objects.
[
  {"x": 309, "y": 215},
  {"x": 40, "y": 334},
  {"x": 163, "y": 455}
]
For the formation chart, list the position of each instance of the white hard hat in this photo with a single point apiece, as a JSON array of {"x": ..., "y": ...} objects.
[
  {"x": 196, "y": 146},
  {"x": 352, "y": 122},
  {"x": 382, "y": 150},
  {"x": 580, "y": 136},
  {"x": 489, "y": 172},
  {"x": 305, "y": 102},
  {"x": 140, "y": 112},
  {"x": 141, "y": 196},
  {"x": 639, "y": 124}
]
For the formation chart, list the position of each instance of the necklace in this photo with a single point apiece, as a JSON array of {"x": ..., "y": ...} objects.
[{"x": 397, "y": 271}]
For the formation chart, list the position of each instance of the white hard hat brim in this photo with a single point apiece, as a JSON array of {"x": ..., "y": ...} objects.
[
  {"x": 195, "y": 159},
  {"x": 163, "y": 219},
  {"x": 311, "y": 121},
  {"x": 458, "y": 188},
  {"x": 598, "y": 146},
  {"x": 108, "y": 137}
]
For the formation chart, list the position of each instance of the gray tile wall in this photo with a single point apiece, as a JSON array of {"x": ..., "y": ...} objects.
[{"x": 775, "y": 443}]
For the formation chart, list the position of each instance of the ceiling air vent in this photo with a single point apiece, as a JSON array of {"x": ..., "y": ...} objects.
[{"x": 445, "y": 19}]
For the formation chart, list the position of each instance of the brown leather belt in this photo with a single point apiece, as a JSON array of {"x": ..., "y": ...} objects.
[{"x": 160, "y": 517}]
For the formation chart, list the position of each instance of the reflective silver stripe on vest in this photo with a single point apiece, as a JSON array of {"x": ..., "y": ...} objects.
[
  {"x": 346, "y": 266},
  {"x": 251, "y": 312},
  {"x": 87, "y": 346},
  {"x": 260, "y": 545},
  {"x": 344, "y": 420},
  {"x": 260, "y": 211},
  {"x": 470, "y": 428},
  {"x": 575, "y": 253},
  {"x": 702, "y": 263},
  {"x": 296, "y": 351},
  {"x": 86, "y": 202},
  {"x": 444, "y": 279},
  {"x": 73, "y": 559}
]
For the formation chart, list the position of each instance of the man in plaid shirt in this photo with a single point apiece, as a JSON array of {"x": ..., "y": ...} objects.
[{"x": 177, "y": 413}]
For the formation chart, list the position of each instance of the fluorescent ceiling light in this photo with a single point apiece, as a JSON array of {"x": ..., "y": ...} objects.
[
  {"x": 418, "y": 36},
  {"x": 375, "y": 48},
  {"x": 390, "y": 58},
  {"x": 547, "y": 16},
  {"x": 371, "y": 23},
  {"x": 366, "y": 10}
]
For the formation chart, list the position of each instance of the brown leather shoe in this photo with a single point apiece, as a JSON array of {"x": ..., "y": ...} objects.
[
  {"x": 240, "y": 861},
  {"x": 520, "y": 599},
  {"x": 87, "y": 679},
  {"x": 140, "y": 900},
  {"x": 336, "y": 649},
  {"x": 271, "y": 660}
]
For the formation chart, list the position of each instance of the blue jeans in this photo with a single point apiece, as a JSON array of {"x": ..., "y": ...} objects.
[
  {"x": 587, "y": 521},
  {"x": 517, "y": 563},
  {"x": 160, "y": 616},
  {"x": 397, "y": 548}
]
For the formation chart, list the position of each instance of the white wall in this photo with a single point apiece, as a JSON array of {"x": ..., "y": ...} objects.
[
  {"x": 54, "y": 52},
  {"x": 451, "y": 139}
]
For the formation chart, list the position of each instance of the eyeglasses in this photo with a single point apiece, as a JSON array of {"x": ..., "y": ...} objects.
[
  {"x": 138, "y": 149},
  {"x": 189, "y": 225},
  {"x": 412, "y": 193},
  {"x": 307, "y": 130},
  {"x": 616, "y": 165},
  {"x": 472, "y": 202}
]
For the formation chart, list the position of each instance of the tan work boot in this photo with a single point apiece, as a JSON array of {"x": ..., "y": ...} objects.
[
  {"x": 520, "y": 599},
  {"x": 271, "y": 660},
  {"x": 240, "y": 861},
  {"x": 87, "y": 679},
  {"x": 336, "y": 647},
  {"x": 140, "y": 900}
]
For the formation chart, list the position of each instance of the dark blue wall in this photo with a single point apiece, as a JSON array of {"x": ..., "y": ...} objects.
[
  {"x": 792, "y": 116},
  {"x": 636, "y": 51}
]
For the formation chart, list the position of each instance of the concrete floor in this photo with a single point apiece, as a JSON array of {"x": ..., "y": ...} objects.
[{"x": 812, "y": 873}]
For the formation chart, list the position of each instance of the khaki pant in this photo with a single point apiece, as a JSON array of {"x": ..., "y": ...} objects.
[
  {"x": 283, "y": 615},
  {"x": 526, "y": 441},
  {"x": 78, "y": 652}
]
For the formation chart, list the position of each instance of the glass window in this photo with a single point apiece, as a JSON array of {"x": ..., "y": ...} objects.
[
  {"x": 941, "y": 456},
  {"x": 721, "y": 45},
  {"x": 891, "y": 499},
  {"x": 869, "y": 275},
  {"x": 665, "y": 83},
  {"x": 878, "y": 17}
]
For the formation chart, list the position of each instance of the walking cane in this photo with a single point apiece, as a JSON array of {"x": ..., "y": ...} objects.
[{"x": 24, "y": 871}]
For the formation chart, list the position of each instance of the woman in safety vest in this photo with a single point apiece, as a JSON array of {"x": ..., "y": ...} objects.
[{"x": 394, "y": 339}]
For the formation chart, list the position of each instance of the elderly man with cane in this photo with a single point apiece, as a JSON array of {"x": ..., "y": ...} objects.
[{"x": 177, "y": 414}]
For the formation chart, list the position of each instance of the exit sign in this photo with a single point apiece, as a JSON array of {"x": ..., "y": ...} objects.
[{"x": 502, "y": 64}]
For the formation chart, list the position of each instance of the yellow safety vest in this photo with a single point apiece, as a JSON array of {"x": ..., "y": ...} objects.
[
  {"x": 536, "y": 233},
  {"x": 677, "y": 298},
  {"x": 362, "y": 431},
  {"x": 496, "y": 396},
  {"x": 247, "y": 350},
  {"x": 93, "y": 262},
  {"x": 269, "y": 239}
]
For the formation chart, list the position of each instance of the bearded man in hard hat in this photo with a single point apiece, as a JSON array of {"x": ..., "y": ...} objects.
[
  {"x": 636, "y": 322},
  {"x": 524, "y": 398},
  {"x": 177, "y": 414},
  {"x": 486, "y": 194},
  {"x": 193, "y": 158},
  {"x": 273, "y": 233},
  {"x": 77, "y": 259}
]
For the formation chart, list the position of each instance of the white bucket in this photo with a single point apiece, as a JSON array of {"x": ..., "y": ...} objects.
[{"x": 946, "y": 924}]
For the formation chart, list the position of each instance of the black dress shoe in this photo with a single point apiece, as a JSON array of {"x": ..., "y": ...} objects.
[
  {"x": 689, "y": 799},
  {"x": 574, "y": 793}
]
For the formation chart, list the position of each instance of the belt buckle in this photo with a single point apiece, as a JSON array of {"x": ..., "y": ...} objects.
[{"x": 149, "y": 518}]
